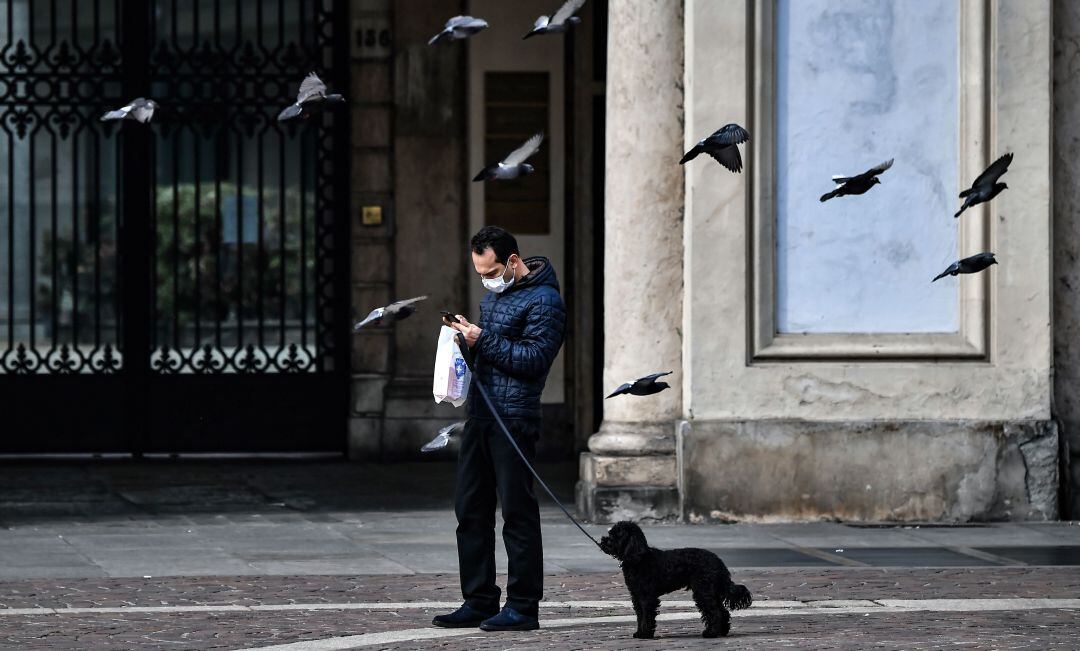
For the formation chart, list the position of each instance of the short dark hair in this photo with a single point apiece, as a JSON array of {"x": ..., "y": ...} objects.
[{"x": 498, "y": 240}]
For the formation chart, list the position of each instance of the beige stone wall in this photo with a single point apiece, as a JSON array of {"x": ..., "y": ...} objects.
[
  {"x": 1012, "y": 382},
  {"x": 850, "y": 408}
]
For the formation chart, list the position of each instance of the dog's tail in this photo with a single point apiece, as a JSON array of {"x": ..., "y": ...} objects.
[{"x": 737, "y": 596}]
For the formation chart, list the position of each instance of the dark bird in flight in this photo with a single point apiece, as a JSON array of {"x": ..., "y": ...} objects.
[
  {"x": 722, "y": 146},
  {"x": 645, "y": 386},
  {"x": 513, "y": 165},
  {"x": 312, "y": 97},
  {"x": 974, "y": 264},
  {"x": 458, "y": 28},
  {"x": 140, "y": 110},
  {"x": 563, "y": 19},
  {"x": 391, "y": 313},
  {"x": 858, "y": 184},
  {"x": 986, "y": 186}
]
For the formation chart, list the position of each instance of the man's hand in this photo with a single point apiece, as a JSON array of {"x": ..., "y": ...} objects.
[{"x": 471, "y": 332}]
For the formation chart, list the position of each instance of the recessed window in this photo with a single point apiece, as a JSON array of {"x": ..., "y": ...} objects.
[{"x": 516, "y": 107}]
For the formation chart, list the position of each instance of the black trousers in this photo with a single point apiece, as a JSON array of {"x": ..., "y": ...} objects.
[{"x": 488, "y": 470}]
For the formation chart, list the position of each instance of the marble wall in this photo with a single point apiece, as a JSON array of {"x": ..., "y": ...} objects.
[{"x": 859, "y": 82}]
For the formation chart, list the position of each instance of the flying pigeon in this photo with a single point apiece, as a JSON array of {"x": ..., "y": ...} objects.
[
  {"x": 311, "y": 97},
  {"x": 645, "y": 386},
  {"x": 986, "y": 186},
  {"x": 560, "y": 22},
  {"x": 458, "y": 28},
  {"x": 858, "y": 184},
  {"x": 394, "y": 312},
  {"x": 722, "y": 146},
  {"x": 140, "y": 109},
  {"x": 443, "y": 437},
  {"x": 974, "y": 264},
  {"x": 513, "y": 165}
]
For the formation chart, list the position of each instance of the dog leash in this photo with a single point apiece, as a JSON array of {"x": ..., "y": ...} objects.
[{"x": 466, "y": 354}]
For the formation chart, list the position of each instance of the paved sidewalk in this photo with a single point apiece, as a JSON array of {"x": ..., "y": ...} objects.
[
  {"x": 155, "y": 519},
  {"x": 330, "y": 555}
]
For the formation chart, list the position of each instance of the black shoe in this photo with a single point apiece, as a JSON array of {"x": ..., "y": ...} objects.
[
  {"x": 510, "y": 620},
  {"x": 464, "y": 617}
]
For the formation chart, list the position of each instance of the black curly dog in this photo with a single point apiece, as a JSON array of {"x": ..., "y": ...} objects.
[{"x": 651, "y": 572}]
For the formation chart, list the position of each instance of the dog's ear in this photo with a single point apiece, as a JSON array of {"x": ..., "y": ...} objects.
[{"x": 634, "y": 547}]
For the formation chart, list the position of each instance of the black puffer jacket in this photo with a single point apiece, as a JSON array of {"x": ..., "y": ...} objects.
[{"x": 522, "y": 332}]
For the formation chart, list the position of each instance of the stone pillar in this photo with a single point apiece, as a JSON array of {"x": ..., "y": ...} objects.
[
  {"x": 370, "y": 100},
  {"x": 630, "y": 470},
  {"x": 431, "y": 249},
  {"x": 409, "y": 151},
  {"x": 1066, "y": 243}
]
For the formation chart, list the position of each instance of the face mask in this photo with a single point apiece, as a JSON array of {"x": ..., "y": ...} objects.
[{"x": 499, "y": 285}]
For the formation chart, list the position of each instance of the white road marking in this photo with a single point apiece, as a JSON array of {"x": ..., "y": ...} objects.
[
  {"x": 770, "y": 606},
  {"x": 360, "y": 605}
]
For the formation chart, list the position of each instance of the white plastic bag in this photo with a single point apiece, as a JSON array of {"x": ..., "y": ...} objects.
[{"x": 452, "y": 375}]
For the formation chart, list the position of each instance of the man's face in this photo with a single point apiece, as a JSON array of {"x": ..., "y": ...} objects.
[{"x": 487, "y": 266}]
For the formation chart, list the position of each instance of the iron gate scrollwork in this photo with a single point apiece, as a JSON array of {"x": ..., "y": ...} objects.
[
  {"x": 207, "y": 245},
  {"x": 59, "y": 193}
]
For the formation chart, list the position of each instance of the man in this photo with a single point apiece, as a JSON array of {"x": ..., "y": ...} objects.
[{"x": 522, "y": 319}]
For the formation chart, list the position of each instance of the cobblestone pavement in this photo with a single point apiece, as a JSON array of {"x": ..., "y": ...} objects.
[
  {"x": 193, "y": 613},
  {"x": 330, "y": 555}
]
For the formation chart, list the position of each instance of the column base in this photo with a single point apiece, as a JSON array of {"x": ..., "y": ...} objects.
[
  {"x": 630, "y": 473},
  {"x": 610, "y": 504}
]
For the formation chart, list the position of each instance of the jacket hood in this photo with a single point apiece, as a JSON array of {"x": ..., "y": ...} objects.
[{"x": 540, "y": 273}]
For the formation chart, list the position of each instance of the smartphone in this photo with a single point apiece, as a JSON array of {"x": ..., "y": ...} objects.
[{"x": 448, "y": 316}]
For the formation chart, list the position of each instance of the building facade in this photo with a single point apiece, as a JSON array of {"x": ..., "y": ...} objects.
[
  {"x": 203, "y": 302},
  {"x": 818, "y": 372}
]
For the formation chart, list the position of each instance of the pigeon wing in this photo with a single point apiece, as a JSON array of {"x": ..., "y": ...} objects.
[
  {"x": 621, "y": 390},
  {"x": 868, "y": 174},
  {"x": 729, "y": 134},
  {"x": 522, "y": 153},
  {"x": 439, "y": 442},
  {"x": 655, "y": 376},
  {"x": 728, "y": 157},
  {"x": 569, "y": 8},
  {"x": 290, "y": 112},
  {"x": 372, "y": 317},
  {"x": 878, "y": 169},
  {"x": 311, "y": 87},
  {"x": 465, "y": 21},
  {"x": 118, "y": 114},
  {"x": 953, "y": 268},
  {"x": 991, "y": 174},
  {"x": 397, "y": 305},
  {"x": 452, "y": 428}
]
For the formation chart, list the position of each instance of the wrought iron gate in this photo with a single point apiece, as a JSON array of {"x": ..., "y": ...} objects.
[{"x": 181, "y": 286}]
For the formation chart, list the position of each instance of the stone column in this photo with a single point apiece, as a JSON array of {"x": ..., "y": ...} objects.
[
  {"x": 630, "y": 470},
  {"x": 1066, "y": 243}
]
